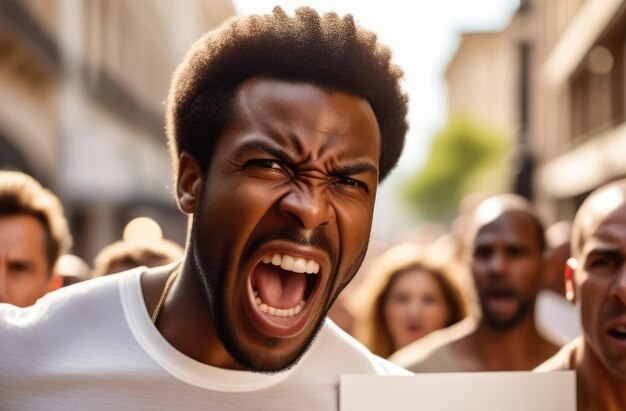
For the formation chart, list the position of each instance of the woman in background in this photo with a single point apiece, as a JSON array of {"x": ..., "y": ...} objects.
[{"x": 406, "y": 296}]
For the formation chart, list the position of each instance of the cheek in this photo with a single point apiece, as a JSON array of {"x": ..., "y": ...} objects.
[
  {"x": 438, "y": 314},
  {"x": 478, "y": 273},
  {"x": 527, "y": 275},
  {"x": 352, "y": 229},
  {"x": 592, "y": 294},
  {"x": 234, "y": 206},
  {"x": 391, "y": 312},
  {"x": 28, "y": 288},
  {"x": 354, "y": 222}
]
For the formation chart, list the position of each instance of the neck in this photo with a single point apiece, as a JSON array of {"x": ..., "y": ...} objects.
[
  {"x": 494, "y": 348},
  {"x": 185, "y": 322},
  {"x": 597, "y": 388}
]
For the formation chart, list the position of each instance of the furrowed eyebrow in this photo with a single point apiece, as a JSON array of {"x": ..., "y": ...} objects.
[
  {"x": 604, "y": 251},
  {"x": 599, "y": 247},
  {"x": 261, "y": 146},
  {"x": 356, "y": 169}
]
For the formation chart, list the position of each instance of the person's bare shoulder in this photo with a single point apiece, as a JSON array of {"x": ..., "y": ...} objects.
[
  {"x": 433, "y": 353},
  {"x": 562, "y": 360}
]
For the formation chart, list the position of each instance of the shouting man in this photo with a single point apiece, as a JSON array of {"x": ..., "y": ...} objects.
[
  {"x": 33, "y": 235},
  {"x": 280, "y": 129},
  {"x": 595, "y": 278},
  {"x": 505, "y": 253}
]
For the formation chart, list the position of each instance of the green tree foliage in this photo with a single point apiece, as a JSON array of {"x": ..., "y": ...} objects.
[{"x": 466, "y": 156}]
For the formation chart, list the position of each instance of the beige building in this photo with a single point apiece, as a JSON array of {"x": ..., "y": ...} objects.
[
  {"x": 582, "y": 75},
  {"x": 565, "y": 99},
  {"x": 485, "y": 83},
  {"x": 82, "y": 90},
  {"x": 481, "y": 80}
]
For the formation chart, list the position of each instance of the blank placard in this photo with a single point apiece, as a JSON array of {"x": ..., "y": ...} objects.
[{"x": 480, "y": 391}]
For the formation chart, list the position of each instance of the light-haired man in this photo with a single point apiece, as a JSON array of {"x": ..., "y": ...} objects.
[{"x": 33, "y": 234}]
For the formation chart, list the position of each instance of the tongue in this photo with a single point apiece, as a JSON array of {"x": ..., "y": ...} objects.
[{"x": 278, "y": 288}]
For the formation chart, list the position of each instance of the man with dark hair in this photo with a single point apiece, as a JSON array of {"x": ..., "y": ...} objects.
[
  {"x": 595, "y": 279},
  {"x": 33, "y": 234},
  {"x": 506, "y": 244},
  {"x": 280, "y": 129}
]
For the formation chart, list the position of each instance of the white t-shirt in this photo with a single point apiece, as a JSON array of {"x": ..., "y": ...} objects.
[{"x": 92, "y": 346}]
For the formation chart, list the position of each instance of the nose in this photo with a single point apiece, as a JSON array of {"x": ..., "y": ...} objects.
[
  {"x": 618, "y": 288},
  {"x": 497, "y": 264},
  {"x": 415, "y": 308},
  {"x": 307, "y": 205}
]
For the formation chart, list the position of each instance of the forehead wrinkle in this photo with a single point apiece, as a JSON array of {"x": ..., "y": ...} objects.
[
  {"x": 595, "y": 245},
  {"x": 324, "y": 138}
]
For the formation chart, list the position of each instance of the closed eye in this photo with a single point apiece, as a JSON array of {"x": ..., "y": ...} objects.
[{"x": 20, "y": 267}]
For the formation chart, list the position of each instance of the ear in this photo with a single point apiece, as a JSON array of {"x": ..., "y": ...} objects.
[
  {"x": 570, "y": 284},
  {"x": 188, "y": 183},
  {"x": 56, "y": 282}
]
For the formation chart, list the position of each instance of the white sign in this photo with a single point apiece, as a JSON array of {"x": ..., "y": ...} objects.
[{"x": 480, "y": 391}]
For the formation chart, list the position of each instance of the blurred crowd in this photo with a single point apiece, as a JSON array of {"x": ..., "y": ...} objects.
[
  {"x": 237, "y": 316},
  {"x": 35, "y": 244}
]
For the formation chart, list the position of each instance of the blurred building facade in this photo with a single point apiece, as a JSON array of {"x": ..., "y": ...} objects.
[
  {"x": 583, "y": 101},
  {"x": 481, "y": 80},
  {"x": 564, "y": 97},
  {"x": 82, "y": 91}
]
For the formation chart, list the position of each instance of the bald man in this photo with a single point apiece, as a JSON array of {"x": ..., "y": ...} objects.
[
  {"x": 595, "y": 279},
  {"x": 504, "y": 249}
]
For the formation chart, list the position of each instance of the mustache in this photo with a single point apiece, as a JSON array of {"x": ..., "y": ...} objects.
[
  {"x": 317, "y": 239},
  {"x": 613, "y": 309},
  {"x": 499, "y": 288}
]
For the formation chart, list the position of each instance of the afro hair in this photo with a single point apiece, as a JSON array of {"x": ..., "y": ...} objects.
[{"x": 328, "y": 51}]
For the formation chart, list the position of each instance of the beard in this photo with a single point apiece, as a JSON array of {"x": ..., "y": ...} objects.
[
  {"x": 211, "y": 277},
  {"x": 524, "y": 308}
]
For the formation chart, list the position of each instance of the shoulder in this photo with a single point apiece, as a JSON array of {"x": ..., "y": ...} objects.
[
  {"x": 562, "y": 360},
  {"x": 441, "y": 359},
  {"x": 433, "y": 353},
  {"x": 80, "y": 304},
  {"x": 338, "y": 350}
]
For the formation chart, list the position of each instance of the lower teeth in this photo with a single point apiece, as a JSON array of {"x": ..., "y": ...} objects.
[{"x": 277, "y": 312}]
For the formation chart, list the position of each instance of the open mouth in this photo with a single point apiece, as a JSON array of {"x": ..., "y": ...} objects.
[
  {"x": 283, "y": 288},
  {"x": 282, "y": 284},
  {"x": 500, "y": 300},
  {"x": 500, "y": 294},
  {"x": 618, "y": 332}
]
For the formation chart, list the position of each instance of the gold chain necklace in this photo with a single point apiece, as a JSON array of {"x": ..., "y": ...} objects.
[{"x": 166, "y": 290}]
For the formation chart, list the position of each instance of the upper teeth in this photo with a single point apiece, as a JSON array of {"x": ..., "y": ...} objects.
[
  {"x": 620, "y": 329},
  {"x": 290, "y": 263}
]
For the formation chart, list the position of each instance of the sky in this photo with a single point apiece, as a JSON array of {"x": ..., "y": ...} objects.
[{"x": 423, "y": 36}]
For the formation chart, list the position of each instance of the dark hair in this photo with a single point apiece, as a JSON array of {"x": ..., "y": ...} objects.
[
  {"x": 327, "y": 51},
  {"x": 20, "y": 194}
]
